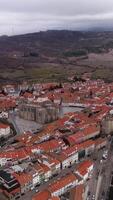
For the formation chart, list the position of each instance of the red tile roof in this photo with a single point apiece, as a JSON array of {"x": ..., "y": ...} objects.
[
  {"x": 50, "y": 145},
  {"x": 4, "y": 126},
  {"x": 81, "y": 136},
  {"x": 17, "y": 154},
  {"x": 84, "y": 166},
  {"x": 23, "y": 178},
  {"x": 77, "y": 193},
  {"x": 61, "y": 183},
  {"x": 44, "y": 195}
]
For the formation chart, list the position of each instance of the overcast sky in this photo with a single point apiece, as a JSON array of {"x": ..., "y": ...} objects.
[{"x": 23, "y": 16}]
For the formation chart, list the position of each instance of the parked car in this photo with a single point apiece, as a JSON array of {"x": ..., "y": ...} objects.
[
  {"x": 37, "y": 190},
  {"x": 93, "y": 197}
]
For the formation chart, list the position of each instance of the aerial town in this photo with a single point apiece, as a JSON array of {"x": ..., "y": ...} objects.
[
  {"x": 56, "y": 100},
  {"x": 56, "y": 140}
]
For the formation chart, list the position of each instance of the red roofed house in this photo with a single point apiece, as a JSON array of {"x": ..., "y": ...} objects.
[
  {"x": 44, "y": 195},
  {"x": 84, "y": 169},
  {"x": 77, "y": 193},
  {"x": 63, "y": 159},
  {"x": 37, "y": 175},
  {"x": 87, "y": 133},
  {"x": 51, "y": 162},
  {"x": 72, "y": 154},
  {"x": 25, "y": 181},
  {"x": 44, "y": 172},
  {"x": 19, "y": 155},
  {"x": 51, "y": 146},
  {"x": 62, "y": 185}
]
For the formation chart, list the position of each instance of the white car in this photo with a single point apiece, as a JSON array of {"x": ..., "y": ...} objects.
[
  {"x": 106, "y": 151},
  {"x": 105, "y": 155},
  {"x": 93, "y": 197},
  {"x": 32, "y": 188},
  {"x": 90, "y": 175}
]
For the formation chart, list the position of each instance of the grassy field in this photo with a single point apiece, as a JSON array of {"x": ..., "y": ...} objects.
[
  {"x": 100, "y": 65},
  {"x": 44, "y": 72}
]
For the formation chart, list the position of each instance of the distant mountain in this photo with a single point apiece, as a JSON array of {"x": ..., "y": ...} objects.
[{"x": 49, "y": 39}]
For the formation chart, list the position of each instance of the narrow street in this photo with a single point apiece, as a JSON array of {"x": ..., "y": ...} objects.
[
  {"x": 106, "y": 173},
  {"x": 101, "y": 177}
]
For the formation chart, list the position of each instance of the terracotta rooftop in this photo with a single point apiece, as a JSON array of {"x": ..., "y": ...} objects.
[
  {"x": 23, "y": 178},
  {"x": 61, "y": 183},
  {"x": 77, "y": 193},
  {"x": 44, "y": 195}
]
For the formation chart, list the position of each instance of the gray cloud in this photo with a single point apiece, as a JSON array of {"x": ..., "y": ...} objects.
[{"x": 21, "y": 16}]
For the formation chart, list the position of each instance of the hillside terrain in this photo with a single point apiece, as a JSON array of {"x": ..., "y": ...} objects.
[{"x": 56, "y": 55}]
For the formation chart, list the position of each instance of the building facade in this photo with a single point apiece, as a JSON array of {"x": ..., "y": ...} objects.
[{"x": 41, "y": 114}]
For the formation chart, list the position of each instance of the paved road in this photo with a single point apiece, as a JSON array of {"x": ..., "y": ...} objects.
[
  {"x": 22, "y": 125},
  {"x": 99, "y": 182},
  {"x": 106, "y": 173},
  {"x": 101, "y": 177},
  {"x": 92, "y": 183}
]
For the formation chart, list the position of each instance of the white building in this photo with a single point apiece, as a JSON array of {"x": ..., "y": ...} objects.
[
  {"x": 35, "y": 177},
  {"x": 3, "y": 161},
  {"x": 4, "y": 130}
]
